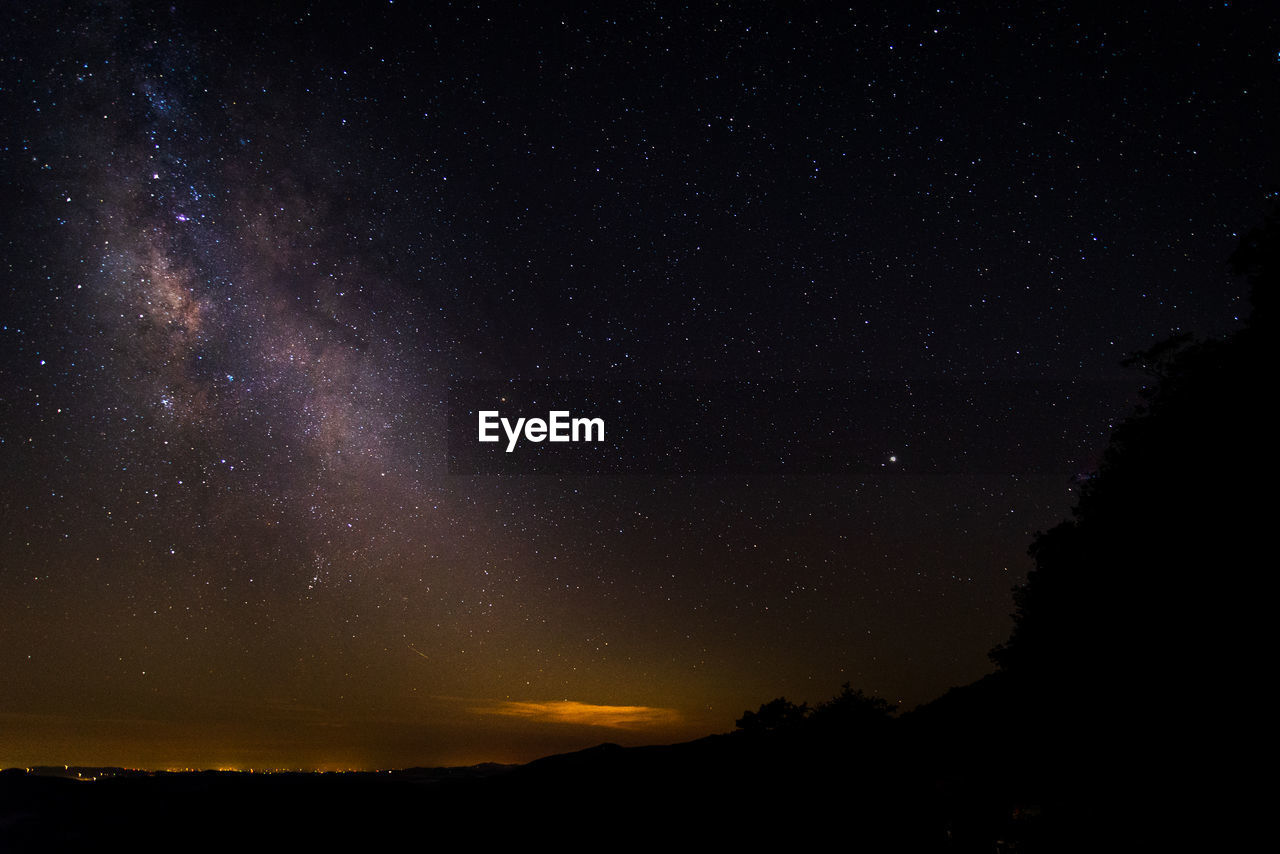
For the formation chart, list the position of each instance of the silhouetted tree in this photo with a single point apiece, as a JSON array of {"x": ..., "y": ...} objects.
[
  {"x": 774, "y": 716},
  {"x": 851, "y": 710}
]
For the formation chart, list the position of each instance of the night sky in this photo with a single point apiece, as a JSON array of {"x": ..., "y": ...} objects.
[{"x": 261, "y": 266}]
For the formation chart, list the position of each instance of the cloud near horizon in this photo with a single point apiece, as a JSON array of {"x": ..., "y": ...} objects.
[{"x": 586, "y": 714}]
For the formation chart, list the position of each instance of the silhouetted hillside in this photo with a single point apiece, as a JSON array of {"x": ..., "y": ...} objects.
[{"x": 1138, "y": 639}]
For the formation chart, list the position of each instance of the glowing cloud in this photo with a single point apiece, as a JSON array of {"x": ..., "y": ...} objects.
[{"x": 586, "y": 714}]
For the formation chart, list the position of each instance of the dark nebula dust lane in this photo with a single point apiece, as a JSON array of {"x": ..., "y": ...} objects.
[{"x": 247, "y": 255}]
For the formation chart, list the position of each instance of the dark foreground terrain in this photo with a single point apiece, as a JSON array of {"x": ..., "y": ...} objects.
[
  {"x": 952, "y": 776},
  {"x": 723, "y": 789}
]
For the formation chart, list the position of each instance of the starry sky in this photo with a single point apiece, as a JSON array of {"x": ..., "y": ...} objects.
[{"x": 851, "y": 287}]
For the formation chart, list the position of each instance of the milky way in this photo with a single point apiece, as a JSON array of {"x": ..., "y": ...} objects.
[
  {"x": 253, "y": 371},
  {"x": 249, "y": 257}
]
